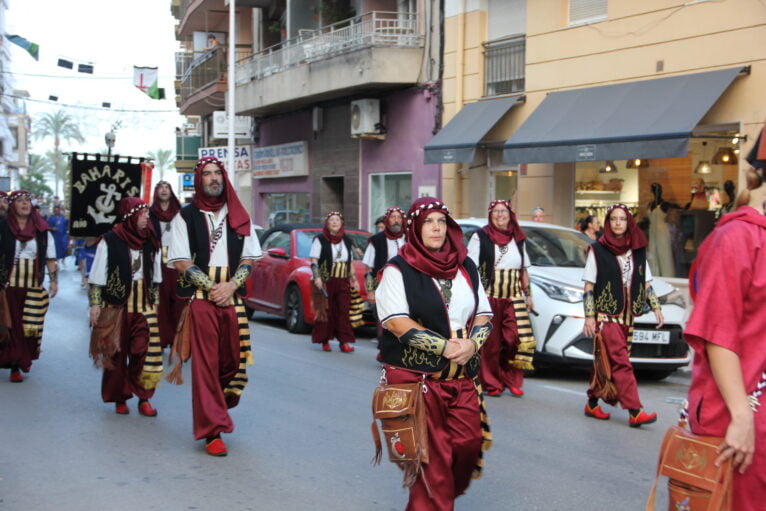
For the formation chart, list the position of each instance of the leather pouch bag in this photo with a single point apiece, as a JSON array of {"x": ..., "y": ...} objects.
[
  {"x": 601, "y": 380},
  {"x": 401, "y": 411},
  {"x": 105, "y": 337},
  {"x": 695, "y": 483}
]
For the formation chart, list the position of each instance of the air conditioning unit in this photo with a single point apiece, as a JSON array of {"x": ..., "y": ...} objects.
[{"x": 365, "y": 117}]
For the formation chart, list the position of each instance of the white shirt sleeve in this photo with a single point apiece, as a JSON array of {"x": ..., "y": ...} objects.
[
  {"x": 483, "y": 307},
  {"x": 157, "y": 272},
  {"x": 390, "y": 298},
  {"x": 98, "y": 269},
  {"x": 252, "y": 247},
  {"x": 51, "y": 250},
  {"x": 369, "y": 256},
  {"x": 473, "y": 248},
  {"x": 316, "y": 249},
  {"x": 591, "y": 270},
  {"x": 179, "y": 241},
  {"x": 527, "y": 262}
]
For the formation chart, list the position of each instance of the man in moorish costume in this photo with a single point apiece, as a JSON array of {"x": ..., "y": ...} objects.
[
  {"x": 213, "y": 247},
  {"x": 26, "y": 249},
  {"x": 164, "y": 208},
  {"x": 125, "y": 275}
]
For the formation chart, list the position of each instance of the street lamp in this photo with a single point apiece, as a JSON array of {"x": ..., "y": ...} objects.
[{"x": 109, "y": 138}]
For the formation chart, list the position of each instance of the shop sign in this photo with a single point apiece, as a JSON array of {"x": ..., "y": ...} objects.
[
  {"x": 284, "y": 160},
  {"x": 586, "y": 152},
  {"x": 243, "y": 125},
  {"x": 242, "y": 156}
]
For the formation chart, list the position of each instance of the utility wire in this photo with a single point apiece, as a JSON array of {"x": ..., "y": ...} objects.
[
  {"x": 86, "y": 107},
  {"x": 82, "y": 75}
]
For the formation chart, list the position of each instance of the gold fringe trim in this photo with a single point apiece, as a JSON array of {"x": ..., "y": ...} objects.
[
  {"x": 526, "y": 345},
  {"x": 486, "y": 433},
  {"x": 356, "y": 308},
  {"x": 151, "y": 374},
  {"x": 239, "y": 382}
]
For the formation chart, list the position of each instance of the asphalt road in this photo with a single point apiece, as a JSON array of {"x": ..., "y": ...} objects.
[{"x": 302, "y": 439}]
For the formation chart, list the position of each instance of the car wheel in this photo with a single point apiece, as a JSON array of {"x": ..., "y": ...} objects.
[
  {"x": 294, "y": 311},
  {"x": 654, "y": 374}
]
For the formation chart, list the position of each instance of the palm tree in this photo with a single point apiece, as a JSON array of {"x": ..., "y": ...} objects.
[
  {"x": 61, "y": 127},
  {"x": 163, "y": 160},
  {"x": 35, "y": 179}
]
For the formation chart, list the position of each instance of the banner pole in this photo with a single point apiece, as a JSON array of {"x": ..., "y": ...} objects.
[{"x": 230, "y": 110}]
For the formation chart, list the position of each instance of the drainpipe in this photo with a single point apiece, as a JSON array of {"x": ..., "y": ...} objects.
[
  {"x": 459, "y": 94},
  {"x": 230, "y": 108}
]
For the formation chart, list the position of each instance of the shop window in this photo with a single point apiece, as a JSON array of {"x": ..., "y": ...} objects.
[
  {"x": 504, "y": 66},
  {"x": 586, "y": 11},
  {"x": 505, "y": 185},
  {"x": 285, "y": 208},
  {"x": 386, "y": 190}
]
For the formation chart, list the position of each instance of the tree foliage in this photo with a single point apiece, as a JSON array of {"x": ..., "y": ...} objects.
[
  {"x": 35, "y": 181},
  {"x": 61, "y": 127},
  {"x": 163, "y": 160}
]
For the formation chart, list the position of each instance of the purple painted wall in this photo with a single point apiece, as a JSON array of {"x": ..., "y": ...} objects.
[{"x": 409, "y": 121}]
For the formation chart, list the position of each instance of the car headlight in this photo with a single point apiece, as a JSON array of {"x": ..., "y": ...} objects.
[
  {"x": 558, "y": 291},
  {"x": 675, "y": 297}
]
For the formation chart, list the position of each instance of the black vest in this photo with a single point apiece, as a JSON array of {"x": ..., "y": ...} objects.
[
  {"x": 8, "y": 252},
  {"x": 609, "y": 292},
  {"x": 118, "y": 263},
  {"x": 199, "y": 246},
  {"x": 427, "y": 309},
  {"x": 380, "y": 243},
  {"x": 487, "y": 257},
  {"x": 325, "y": 256}
]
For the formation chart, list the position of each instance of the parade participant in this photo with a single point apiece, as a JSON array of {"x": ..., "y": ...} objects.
[
  {"x": 331, "y": 257},
  {"x": 499, "y": 251},
  {"x": 59, "y": 226},
  {"x": 213, "y": 247},
  {"x": 726, "y": 332},
  {"x": 3, "y": 204},
  {"x": 436, "y": 315},
  {"x": 617, "y": 288},
  {"x": 26, "y": 249},
  {"x": 165, "y": 207},
  {"x": 126, "y": 274}
]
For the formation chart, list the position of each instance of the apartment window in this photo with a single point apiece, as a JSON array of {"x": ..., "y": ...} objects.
[
  {"x": 386, "y": 190},
  {"x": 586, "y": 11},
  {"x": 504, "y": 66}
]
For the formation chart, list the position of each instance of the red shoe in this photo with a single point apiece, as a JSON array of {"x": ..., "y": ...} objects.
[
  {"x": 121, "y": 408},
  {"x": 494, "y": 392},
  {"x": 346, "y": 347},
  {"x": 16, "y": 376},
  {"x": 145, "y": 408},
  {"x": 216, "y": 447},
  {"x": 516, "y": 391},
  {"x": 326, "y": 346},
  {"x": 596, "y": 412},
  {"x": 642, "y": 418}
]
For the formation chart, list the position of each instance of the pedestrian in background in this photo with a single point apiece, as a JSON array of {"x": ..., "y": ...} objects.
[
  {"x": 538, "y": 214},
  {"x": 726, "y": 331},
  {"x": 59, "y": 226},
  {"x": 591, "y": 227},
  {"x": 124, "y": 284},
  {"x": 380, "y": 224},
  {"x": 618, "y": 285},
  {"x": 436, "y": 315},
  {"x": 331, "y": 265},
  {"x": 499, "y": 251}
]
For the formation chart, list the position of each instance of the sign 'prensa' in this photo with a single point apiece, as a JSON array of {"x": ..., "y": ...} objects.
[{"x": 97, "y": 185}]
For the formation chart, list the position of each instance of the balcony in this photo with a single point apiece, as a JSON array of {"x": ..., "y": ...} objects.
[
  {"x": 201, "y": 16},
  {"x": 374, "y": 51},
  {"x": 202, "y": 83}
]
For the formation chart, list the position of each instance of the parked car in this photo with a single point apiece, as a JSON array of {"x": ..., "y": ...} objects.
[
  {"x": 557, "y": 255},
  {"x": 281, "y": 280}
]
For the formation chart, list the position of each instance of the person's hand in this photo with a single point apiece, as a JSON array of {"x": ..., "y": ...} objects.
[
  {"x": 95, "y": 312},
  {"x": 53, "y": 289},
  {"x": 590, "y": 327},
  {"x": 459, "y": 350},
  {"x": 739, "y": 442},
  {"x": 354, "y": 284},
  {"x": 660, "y": 318},
  {"x": 222, "y": 292},
  {"x": 530, "y": 304},
  {"x": 318, "y": 283}
]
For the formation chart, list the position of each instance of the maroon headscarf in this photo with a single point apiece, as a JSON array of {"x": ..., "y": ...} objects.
[
  {"x": 237, "y": 216},
  {"x": 502, "y": 237},
  {"x": 444, "y": 263},
  {"x": 173, "y": 205},
  {"x": 337, "y": 238},
  {"x": 127, "y": 230},
  {"x": 387, "y": 229},
  {"x": 35, "y": 222},
  {"x": 633, "y": 239}
]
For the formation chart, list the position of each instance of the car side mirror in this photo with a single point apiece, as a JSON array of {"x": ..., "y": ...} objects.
[{"x": 278, "y": 252}]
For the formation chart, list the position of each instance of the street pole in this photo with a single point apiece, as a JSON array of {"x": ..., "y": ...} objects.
[{"x": 230, "y": 110}]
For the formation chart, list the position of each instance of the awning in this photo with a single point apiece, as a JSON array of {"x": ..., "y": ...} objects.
[
  {"x": 646, "y": 119},
  {"x": 457, "y": 141},
  {"x": 757, "y": 155}
]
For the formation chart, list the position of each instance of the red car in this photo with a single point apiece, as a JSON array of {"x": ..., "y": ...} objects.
[{"x": 281, "y": 280}]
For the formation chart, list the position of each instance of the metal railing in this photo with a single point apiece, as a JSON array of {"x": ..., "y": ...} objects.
[
  {"x": 504, "y": 66},
  {"x": 200, "y": 69},
  {"x": 376, "y": 28}
]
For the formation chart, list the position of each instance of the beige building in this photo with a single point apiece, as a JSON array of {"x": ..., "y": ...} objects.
[{"x": 678, "y": 85}]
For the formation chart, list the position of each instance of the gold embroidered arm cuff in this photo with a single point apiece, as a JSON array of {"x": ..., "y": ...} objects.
[
  {"x": 53, "y": 275},
  {"x": 198, "y": 279},
  {"x": 94, "y": 295},
  {"x": 369, "y": 281},
  {"x": 480, "y": 334},
  {"x": 589, "y": 304},
  {"x": 315, "y": 271},
  {"x": 651, "y": 297},
  {"x": 424, "y": 340},
  {"x": 242, "y": 274}
]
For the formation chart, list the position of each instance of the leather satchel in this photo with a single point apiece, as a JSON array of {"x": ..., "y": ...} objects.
[
  {"x": 694, "y": 483},
  {"x": 105, "y": 337},
  {"x": 601, "y": 382},
  {"x": 401, "y": 411}
]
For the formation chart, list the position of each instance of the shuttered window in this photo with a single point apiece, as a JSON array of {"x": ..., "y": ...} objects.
[{"x": 585, "y": 11}]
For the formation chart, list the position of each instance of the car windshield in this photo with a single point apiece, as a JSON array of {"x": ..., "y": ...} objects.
[
  {"x": 556, "y": 247},
  {"x": 304, "y": 239}
]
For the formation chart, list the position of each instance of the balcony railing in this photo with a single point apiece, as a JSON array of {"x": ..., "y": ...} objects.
[
  {"x": 504, "y": 66},
  {"x": 376, "y": 28},
  {"x": 200, "y": 69}
]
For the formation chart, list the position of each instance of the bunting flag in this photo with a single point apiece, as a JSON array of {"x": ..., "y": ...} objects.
[
  {"x": 145, "y": 79},
  {"x": 32, "y": 48}
]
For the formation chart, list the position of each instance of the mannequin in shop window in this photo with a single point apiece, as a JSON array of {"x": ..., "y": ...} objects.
[
  {"x": 699, "y": 198},
  {"x": 731, "y": 195},
  {"x": 660, "y": 253}
]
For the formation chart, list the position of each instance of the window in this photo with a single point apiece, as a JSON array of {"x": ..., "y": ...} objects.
[
  {"x": 504, "y": 66},
  {"x": 277, "y": 239},
  {"x": 388, "y": 190},
  {"x": 285, "y": 208},
  {"x": 586, "y": 11}
]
